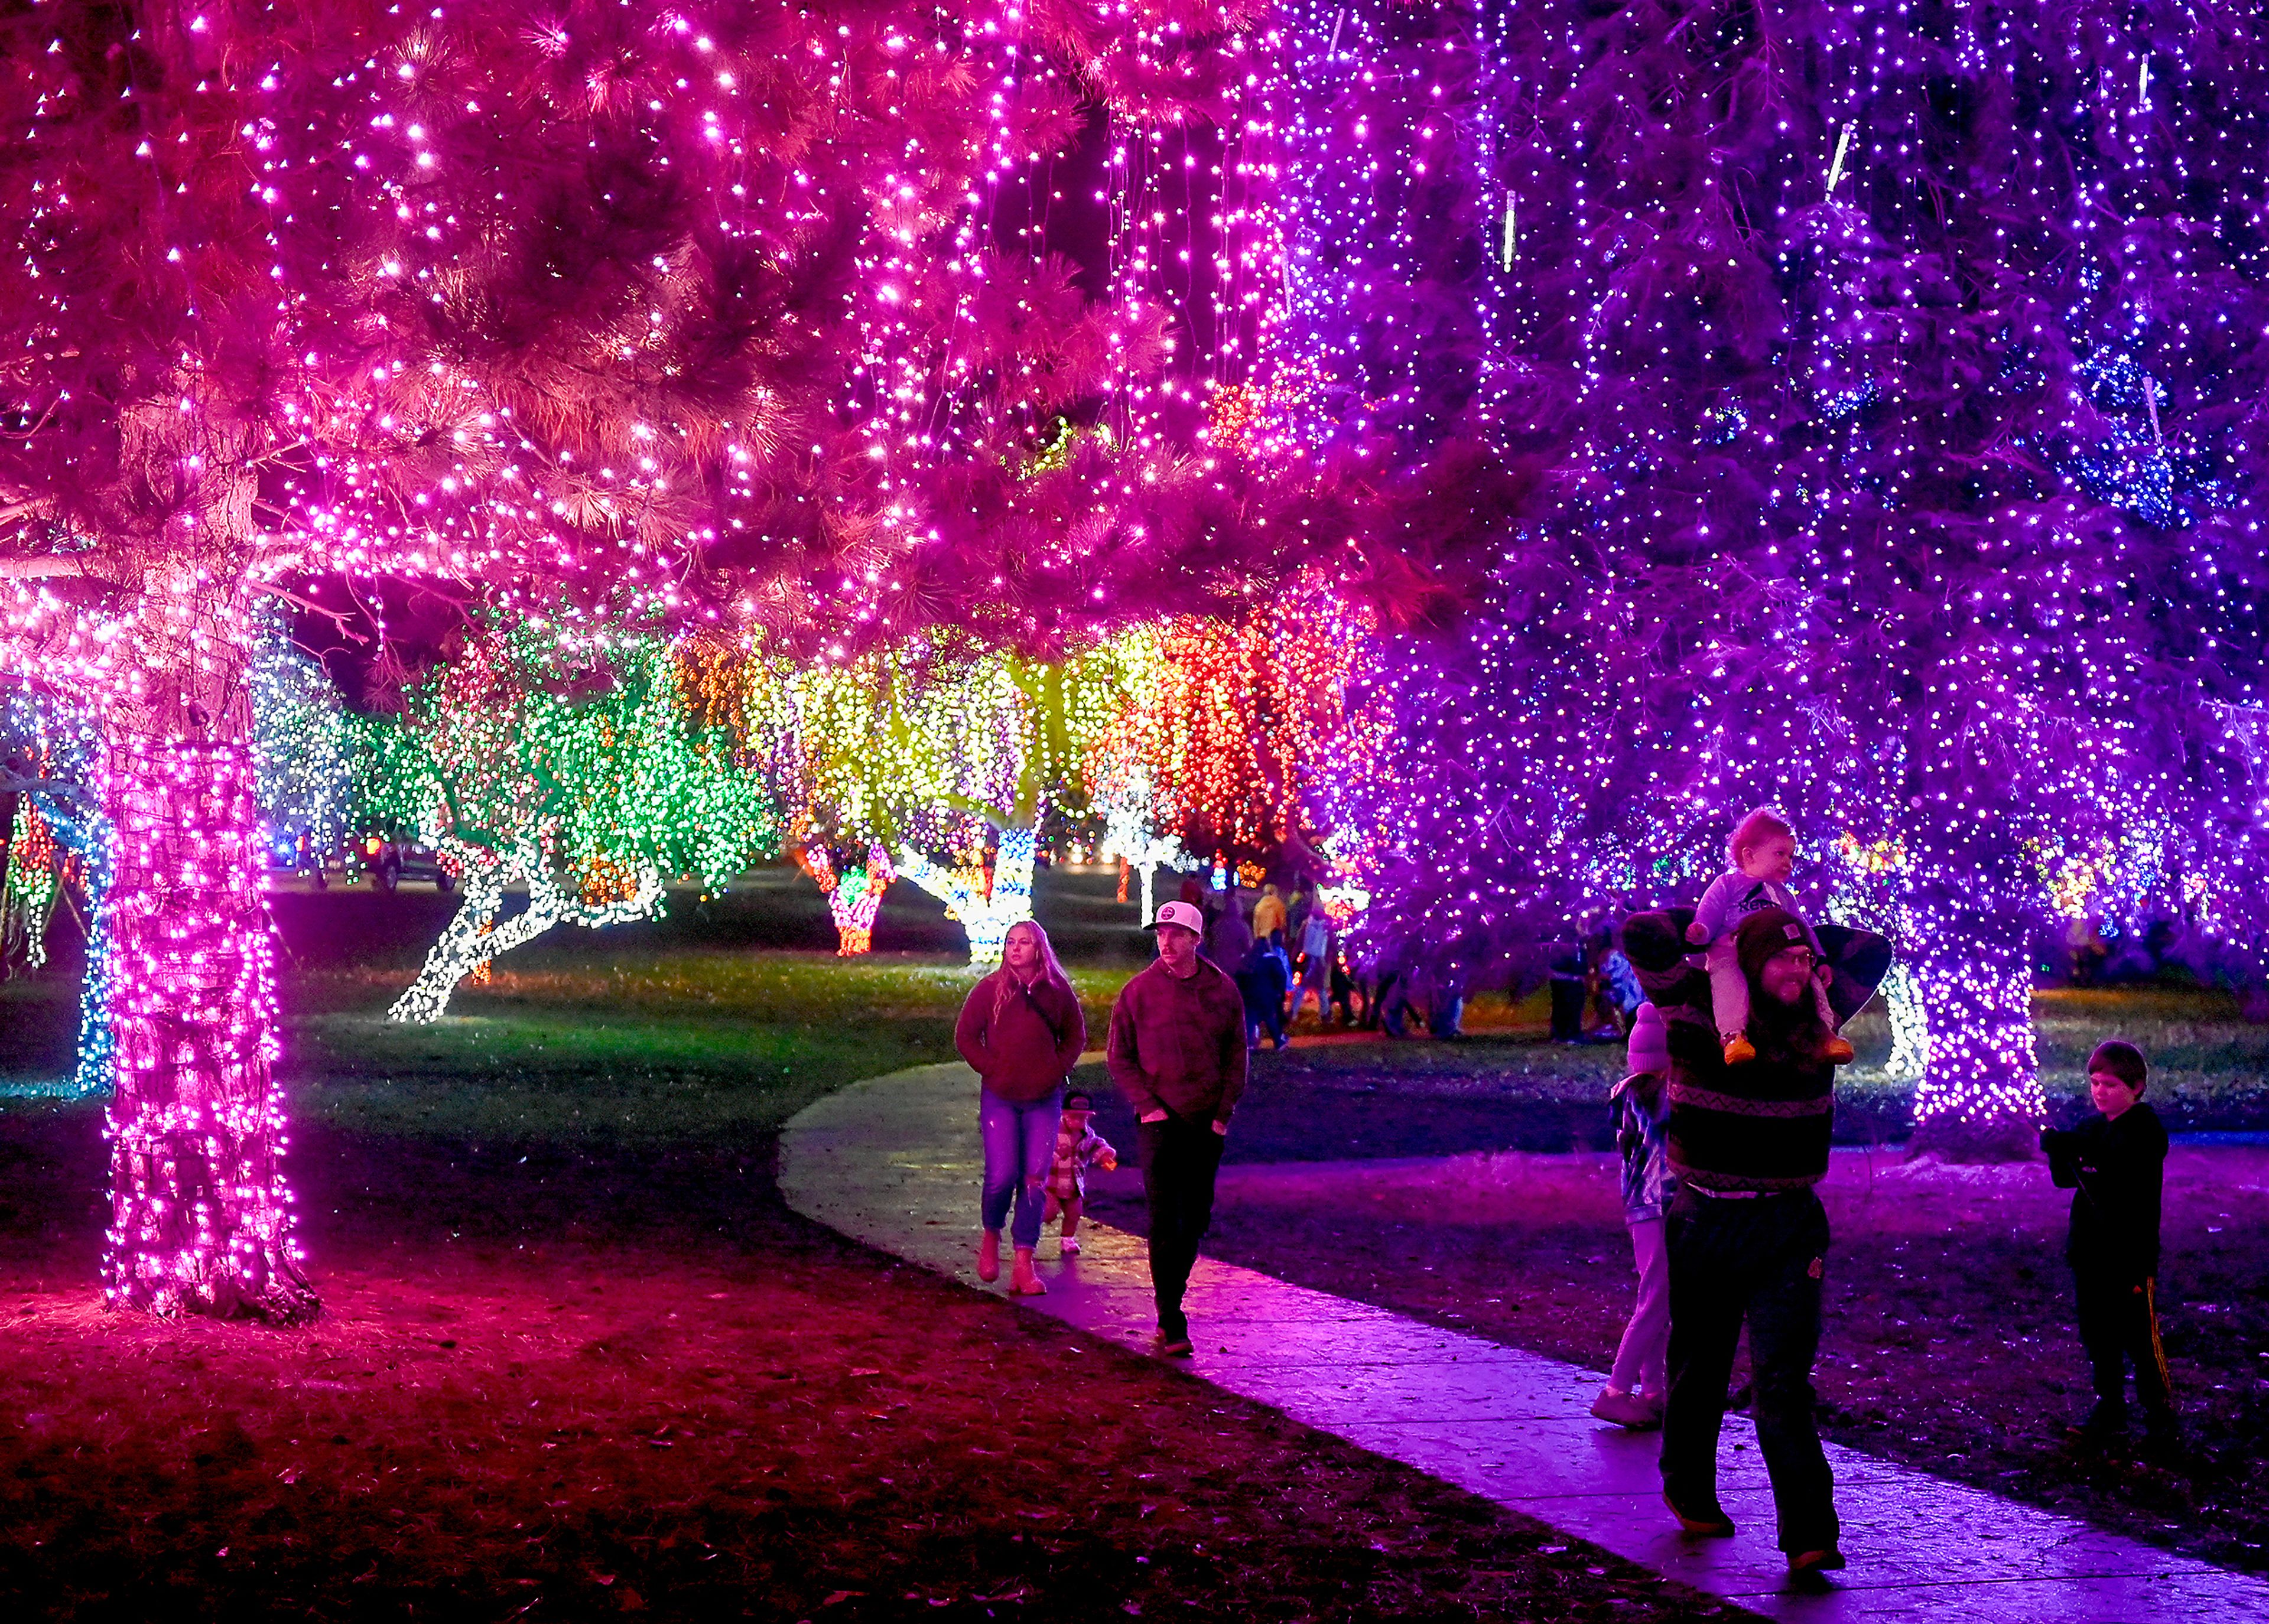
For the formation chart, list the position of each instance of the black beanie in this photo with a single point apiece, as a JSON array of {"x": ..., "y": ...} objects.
[{"x": 1765, "y": 933}]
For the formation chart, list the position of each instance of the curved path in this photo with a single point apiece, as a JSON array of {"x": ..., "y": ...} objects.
[{"x": 893, "y": 1161}]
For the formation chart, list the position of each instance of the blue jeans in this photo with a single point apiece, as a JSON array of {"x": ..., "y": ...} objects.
[{"x": 1020, "y": 1141}]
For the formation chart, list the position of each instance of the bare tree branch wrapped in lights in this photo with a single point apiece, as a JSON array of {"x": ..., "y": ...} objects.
[{"x": 1129, "y": 807}]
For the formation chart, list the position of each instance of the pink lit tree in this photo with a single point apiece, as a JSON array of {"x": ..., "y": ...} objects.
[
  {"x": 854, "y": 890},
  {"x": 671, "y": 313}
]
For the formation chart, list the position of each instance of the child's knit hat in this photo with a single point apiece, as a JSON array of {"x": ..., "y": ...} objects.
[{"x": 1650, "y": 1041}]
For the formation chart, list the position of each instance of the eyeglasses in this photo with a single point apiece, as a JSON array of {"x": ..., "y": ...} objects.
[{"x": 1804, "y": 957}]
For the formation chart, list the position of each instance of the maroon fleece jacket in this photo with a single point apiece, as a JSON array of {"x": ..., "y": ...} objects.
[
  {"x": 1179, "y": 1041},
  {"x": 1023, "y": 1054}
]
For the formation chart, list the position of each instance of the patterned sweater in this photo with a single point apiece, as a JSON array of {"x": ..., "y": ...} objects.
[
  {"x": 1763, "y": 1126},
  {"x": 1642, "y": 1108},
  {"x": 1078, "y": 1146}
]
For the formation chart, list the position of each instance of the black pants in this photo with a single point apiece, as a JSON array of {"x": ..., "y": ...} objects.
[
  {"x": 1567, "y": 1009},
  {"x": 2119, "y": 1325},
  {"x": 1758, "y": 1261},
  {"x": 1180, "y": 1157},
  {"x": 1264, "y": 1011}
]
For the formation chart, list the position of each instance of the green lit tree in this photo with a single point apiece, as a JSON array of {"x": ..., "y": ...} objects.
[{"x": 570, "y": 764}]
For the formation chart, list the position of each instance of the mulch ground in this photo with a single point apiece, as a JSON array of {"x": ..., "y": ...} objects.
[
  {"x": 1950, "y": 1341},
  {"x": 628, "y": 1381}
]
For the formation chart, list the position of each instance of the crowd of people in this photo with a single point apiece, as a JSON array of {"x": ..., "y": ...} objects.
[
  {"x": 1284, "y": 951},
  {"x": 1722, "y": 1124}
]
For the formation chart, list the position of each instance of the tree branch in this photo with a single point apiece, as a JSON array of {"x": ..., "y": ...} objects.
[
  {"x": 42, "y": 565},
  {"x": 334, "y": 615}
]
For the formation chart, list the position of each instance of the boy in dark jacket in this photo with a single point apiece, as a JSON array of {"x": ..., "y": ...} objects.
[{"x": 2114, "y": 1162}]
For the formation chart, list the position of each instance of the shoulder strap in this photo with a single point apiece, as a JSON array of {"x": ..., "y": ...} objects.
[{"x": 1039, "y": 1009}]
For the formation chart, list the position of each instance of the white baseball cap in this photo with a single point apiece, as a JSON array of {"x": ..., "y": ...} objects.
[{"x": 1179, "y": 913}]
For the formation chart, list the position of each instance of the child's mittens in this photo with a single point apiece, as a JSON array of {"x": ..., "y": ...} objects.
[{"x": 1697, "y": 934}]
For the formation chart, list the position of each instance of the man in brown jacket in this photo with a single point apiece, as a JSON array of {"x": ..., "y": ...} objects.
[{"x": 1177, "y": 1053}]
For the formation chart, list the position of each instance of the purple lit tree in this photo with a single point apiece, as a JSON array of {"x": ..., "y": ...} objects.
[{"x": 1901, "y": 372}]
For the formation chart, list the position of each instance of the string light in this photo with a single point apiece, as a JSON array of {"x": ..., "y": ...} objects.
[
  {"x": 854, "y": 892},
  {"x": 60, "y": 743},
  {"x": 298, "y": 752},
  {"x": 201, "y": 1217},
  {"x": 1240, "y": 737},
  {"x": 31, "y": 886}
]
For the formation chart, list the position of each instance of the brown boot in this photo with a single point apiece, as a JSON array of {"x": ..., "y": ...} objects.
[
  {"x": 1837, "y": 1052},
  {"x": 1022, "y": 1281},
  {"x": 1739, "y": 1050},
  {"x": 988, "y": 1257}
]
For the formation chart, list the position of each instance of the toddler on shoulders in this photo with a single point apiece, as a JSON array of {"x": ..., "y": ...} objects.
[{"x": 1762, "y": 854}]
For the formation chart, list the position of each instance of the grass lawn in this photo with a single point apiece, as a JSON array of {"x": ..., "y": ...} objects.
[
  {"x": 578, "y": 1360},
  {"x": 1506, "y": 1087}
]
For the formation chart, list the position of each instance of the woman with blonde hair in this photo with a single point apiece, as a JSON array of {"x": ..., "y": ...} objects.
[{"x": 1022, "y": 1031}]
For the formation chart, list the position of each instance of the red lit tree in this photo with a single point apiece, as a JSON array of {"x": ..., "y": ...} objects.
[{"x": 1249, "y": 734}]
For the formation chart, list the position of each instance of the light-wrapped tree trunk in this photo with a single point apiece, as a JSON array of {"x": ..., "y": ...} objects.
[
  {"x": 1980, "y": 1095},
  {"x": 200, "y": 1220},
  {"x": 854, "y": 895},
  {"x": 985, "y": 915},
  {"x": 1909, "y": 1055}
]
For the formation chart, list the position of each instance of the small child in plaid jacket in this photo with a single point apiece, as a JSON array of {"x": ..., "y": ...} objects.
[{"x": 1078, "y": 1147}]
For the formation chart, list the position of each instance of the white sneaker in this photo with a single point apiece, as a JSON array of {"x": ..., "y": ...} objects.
[{"x": 1626, "y": 1409}]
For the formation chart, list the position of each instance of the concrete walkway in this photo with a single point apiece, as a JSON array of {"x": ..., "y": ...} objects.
[{"x": 894, "y": 1161}]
